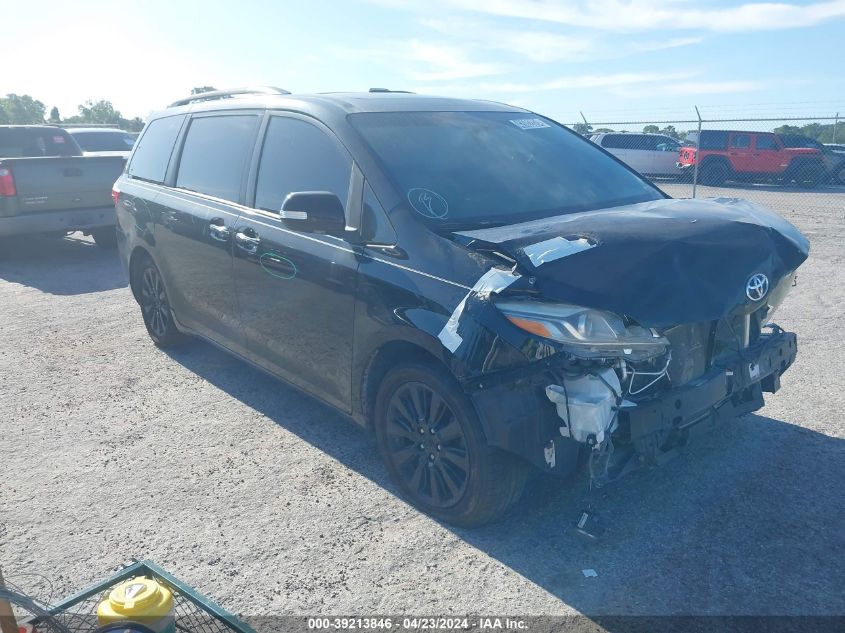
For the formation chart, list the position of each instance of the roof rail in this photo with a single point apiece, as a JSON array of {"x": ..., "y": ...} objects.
[
  {"x": 223, "y": 94},
  {"x": 407, "y": 92}
]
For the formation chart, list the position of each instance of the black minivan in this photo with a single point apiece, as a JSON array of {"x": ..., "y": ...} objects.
[{"x": 486, "y": 289}]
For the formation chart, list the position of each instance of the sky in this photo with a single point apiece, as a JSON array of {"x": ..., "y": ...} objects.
[{"x": 612, "y": 60}]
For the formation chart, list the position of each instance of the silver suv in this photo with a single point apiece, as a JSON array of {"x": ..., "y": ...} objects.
[{"x": 649, "y": 154}]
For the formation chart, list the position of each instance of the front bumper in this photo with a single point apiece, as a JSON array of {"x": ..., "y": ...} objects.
[
  {"x": 517, "y": 416},
  {"x": 731, "y": 388},
  {"x": 57, "y": 221}
]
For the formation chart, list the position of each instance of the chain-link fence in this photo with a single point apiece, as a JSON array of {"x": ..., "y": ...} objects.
[{"x": 787, "y": 162}]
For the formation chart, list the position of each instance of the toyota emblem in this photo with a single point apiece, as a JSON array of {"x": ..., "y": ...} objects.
[{"x": 757, "y": 287}]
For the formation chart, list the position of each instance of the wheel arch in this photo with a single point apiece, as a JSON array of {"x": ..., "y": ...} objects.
[
  {"x": 379, "y": 361},
  {"x": 138, "y": 255},
  {"x": 715, "y": 159}
]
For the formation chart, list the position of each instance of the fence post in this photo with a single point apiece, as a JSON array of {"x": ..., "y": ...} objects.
[
  {"x": 697, "y": 148},
  {"x": 835, "y": 125}
]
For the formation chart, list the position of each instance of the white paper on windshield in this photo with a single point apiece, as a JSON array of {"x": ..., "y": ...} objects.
[{"x": 530, "y": 124}]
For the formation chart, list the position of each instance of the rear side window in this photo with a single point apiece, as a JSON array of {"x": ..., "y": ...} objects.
[
  {"x": 629, "y": 141},
  {"x": 614, "y": 141},
  {"x": 646, "y": 142},
  {"x": 151, "y": 157},
  {"x": 298, "y": 156},
  {"x": 766, "y": 141},
  {"x": 714, "y": 140},
  {"x": 740, "y": 141},
  {"x": 34, "y": 142},
  {"x": 216, "y": 154},
  {"x": 667, "y": 145}
]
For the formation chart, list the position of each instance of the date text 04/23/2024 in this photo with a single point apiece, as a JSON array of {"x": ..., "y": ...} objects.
[{"x": 418, "y": 623}]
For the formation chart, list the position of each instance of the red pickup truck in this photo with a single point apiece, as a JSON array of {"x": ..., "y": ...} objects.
[{"x": 749, "y": 156}]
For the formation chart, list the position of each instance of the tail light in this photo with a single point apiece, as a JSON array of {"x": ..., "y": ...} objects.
[
  {"x": 115, "y": 195},
  {"x": 7, "y": 183}
]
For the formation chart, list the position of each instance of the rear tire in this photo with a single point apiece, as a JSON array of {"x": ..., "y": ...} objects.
[
  {"x": 105, "y": 238},
  {"x": 432, "y": 443},
  {"x": 807, "y": 174},
  {"x": 155, "y": 306},
  {"x": 713, "y": 173}
]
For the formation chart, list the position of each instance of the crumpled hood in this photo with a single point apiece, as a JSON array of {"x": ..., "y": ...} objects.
[{"x": 661, "y": 263}]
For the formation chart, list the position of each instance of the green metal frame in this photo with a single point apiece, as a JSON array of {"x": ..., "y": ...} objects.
[{"x": 148, "y": 568}]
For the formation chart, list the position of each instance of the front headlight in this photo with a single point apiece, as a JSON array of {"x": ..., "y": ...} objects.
[{"x": 586, "y": 332}]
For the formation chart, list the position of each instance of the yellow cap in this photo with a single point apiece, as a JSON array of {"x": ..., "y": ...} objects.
[{"x": 137, "y": 599}]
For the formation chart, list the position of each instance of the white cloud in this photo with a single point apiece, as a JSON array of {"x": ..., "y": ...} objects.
[
  {"x": 659, "y": 45},
  {"x": 423, "y": 60},
  {"x": 688, "y": 88},
  {"x": 512, "y": 92},
  {"x": 644, "y": 15},
  {"x": 547, "y": 46},
  {"x": 587, "y": 81},
  {"x": 538, "y": 46},
  {"x": 446, "y": 62}
]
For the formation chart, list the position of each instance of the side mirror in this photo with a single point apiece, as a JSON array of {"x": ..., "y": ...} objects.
[{"x": 313, "y": 212}]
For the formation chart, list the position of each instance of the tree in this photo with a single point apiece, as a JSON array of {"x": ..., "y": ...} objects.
[
  {"x": 651, "y": 129},
  {"x": 133, "y": 125},
  {"x": 103, "y": 113},
  {"x": 602, "y": 130},
  {"x": 21, "y": 110},
  {"x": 670, "y": 130},
  {"x": 582, "y": 128},
  {"x": 818, "y": 131},
  {"x": 99, "y": 112},
  {"x": 54, "y": 115}
]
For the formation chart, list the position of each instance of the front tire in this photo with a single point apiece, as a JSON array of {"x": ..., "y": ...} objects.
[
  {"x": 155, "y": 306},
  {"x": 432, "y": 443}
]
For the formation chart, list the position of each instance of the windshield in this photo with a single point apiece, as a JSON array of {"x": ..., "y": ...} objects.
[
  {"x": 471, "y": 169},
  {"x": 104, "y": 141}
]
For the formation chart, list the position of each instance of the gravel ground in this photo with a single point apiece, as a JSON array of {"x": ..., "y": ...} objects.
[{"x": 271, "y": 503}]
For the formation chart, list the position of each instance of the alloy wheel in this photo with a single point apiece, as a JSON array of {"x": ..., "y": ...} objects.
[
  {"x": 154, "y": 302},
  {"x": 426, "y": 445}
]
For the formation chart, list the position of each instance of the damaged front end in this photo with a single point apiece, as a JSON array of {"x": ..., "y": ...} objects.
[{"x": 677, "y": 334}]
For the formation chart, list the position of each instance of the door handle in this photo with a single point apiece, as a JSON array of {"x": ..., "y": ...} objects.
[
  {"x": 218, "y": 231},
  {"x": 247, "y": 242}
]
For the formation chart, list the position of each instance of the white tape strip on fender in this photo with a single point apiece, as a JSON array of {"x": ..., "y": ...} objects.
[
  {"x": 494, "y": 280},
  {"x": 555, "y": 248}
]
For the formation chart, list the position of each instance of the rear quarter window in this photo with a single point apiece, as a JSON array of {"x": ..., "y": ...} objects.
[{"x": 152, "y": 154}]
